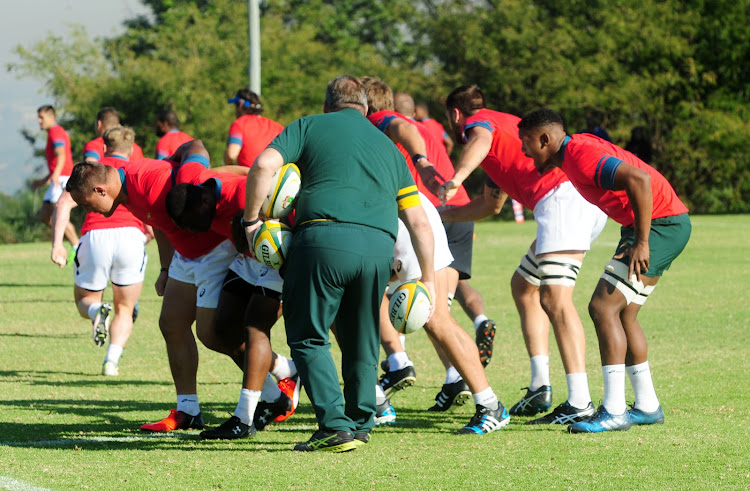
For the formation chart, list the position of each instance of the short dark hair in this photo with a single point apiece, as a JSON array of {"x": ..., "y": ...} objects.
[
  {"x": 256, "y": 107},
  {"x": 46, "y": 109},
  {"x": 539, "y": 118},
  {"x": 169, "y": 117},
  {"x": 345, "y": 91},
  {"x": 108, "y": 116},
  {"x": 184, "y": 206},
  {"x": 467, "y": 98},
  {"x": 85, "y": 176}
]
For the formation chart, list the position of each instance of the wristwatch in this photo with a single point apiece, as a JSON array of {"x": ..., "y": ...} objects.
[{"x": 417, "y": 157}]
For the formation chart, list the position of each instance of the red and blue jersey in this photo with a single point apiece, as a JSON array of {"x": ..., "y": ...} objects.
[
  {"x": 253, "y": 133},
  {"x": 435, "y": 153},
  {"x": 146, "y": 184},
  {"x": 591, "y": 164},
  {"x": 57, "y": 137},
  {"x": 96, "y": 149},
  {"x": 121, "y": 217},
  {"x": 506, "y": 164},
  {"x": 435, "y": 128},
  {"x": 170, "y": 142},
  {"x": 230, "y": 193}
]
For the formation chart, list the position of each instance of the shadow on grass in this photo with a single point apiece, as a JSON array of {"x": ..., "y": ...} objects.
[
  {"x": 41, "y": 377},
  {"x": 41, "y": 335}
]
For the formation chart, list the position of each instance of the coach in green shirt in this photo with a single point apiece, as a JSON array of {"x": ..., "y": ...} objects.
[{"x": 355, "y": 184}]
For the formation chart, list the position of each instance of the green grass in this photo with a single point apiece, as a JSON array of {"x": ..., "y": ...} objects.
[{"x": 62, "y": 425}]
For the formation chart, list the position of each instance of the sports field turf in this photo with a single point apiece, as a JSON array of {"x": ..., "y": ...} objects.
[{"x": 62, "y": 425}]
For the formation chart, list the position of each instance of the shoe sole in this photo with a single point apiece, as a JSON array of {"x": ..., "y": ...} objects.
[
  {"x": 385, "y": 420},
  {"x": 102, "y": 325},
  {"x": 485, "y": 345},
  {"x": 460, "y": 399},
  {"x": 400, "y": 385}
]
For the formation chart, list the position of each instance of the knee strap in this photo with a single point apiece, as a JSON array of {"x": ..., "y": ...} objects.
[
  {"x": 616, "y": 272},
  {"x": 559, "y": 270}
]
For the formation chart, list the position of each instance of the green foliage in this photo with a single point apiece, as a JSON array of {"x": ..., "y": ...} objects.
[{"x": 678, "y": 68}]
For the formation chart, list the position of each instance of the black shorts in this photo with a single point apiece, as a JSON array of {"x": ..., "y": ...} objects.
[
  {"x": 234, "y": 284},
  {"x": 461, "y": 243}
]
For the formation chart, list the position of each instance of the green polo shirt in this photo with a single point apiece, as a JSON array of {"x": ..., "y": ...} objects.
[{"x": 351, "y": 172}]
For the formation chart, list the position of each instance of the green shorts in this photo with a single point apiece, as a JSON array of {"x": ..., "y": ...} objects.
[{"x": 668, "y": 237}]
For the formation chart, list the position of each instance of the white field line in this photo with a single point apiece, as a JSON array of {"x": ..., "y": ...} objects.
[{"x": 14, "y": 485}]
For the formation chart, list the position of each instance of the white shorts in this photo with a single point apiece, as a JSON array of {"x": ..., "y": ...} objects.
[
  {"x": 206, "y": 272},
  {"x": 256, "y": 273},
  {"x": 405, "y": 262},
  {"x": 54, "y": 192},
  {"x": 566, "y": 221},
  {"x": 110, "y": 254}
]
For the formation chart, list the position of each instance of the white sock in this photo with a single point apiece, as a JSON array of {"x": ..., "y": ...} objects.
[
  {"x": 270, "y": 391},
  {"x": 93, "y": 310},
  {"x": 188, "y": 404},
  {"x": 614, "y": 389},
  {"x": 486, "y": 398},
  {"x": 113, "y": 353},
  {"x": 399, "y": 360},
  {"x": 578, "y": 390},
  {"x": 452, "y": 375},
  {"x": 246, "y": 406},
  {"x": 379, "y": 395},
  {"x": 283, "y": 368},
  {"x": 478, "y": 321},
  {"x": 643, "y": 386},
  {"x": 539, "y": 371},
  {"x": 402, "y": 338}
]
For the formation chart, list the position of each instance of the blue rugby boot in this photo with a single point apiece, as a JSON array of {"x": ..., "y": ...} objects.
[
  {"x": 602, "y": 421},
  {"x": 638, "y": 417},
  {"x": 486, "y": 420}
]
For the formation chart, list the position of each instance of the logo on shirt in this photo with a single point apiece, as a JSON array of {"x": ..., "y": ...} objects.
[{"x": 202, "y": 292}]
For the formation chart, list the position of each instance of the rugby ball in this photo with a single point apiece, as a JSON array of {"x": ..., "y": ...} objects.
[
  {"x": 285, "y": 185},
  {"x": 409, "y": 307},
  {"x": 271, "y": 243}
]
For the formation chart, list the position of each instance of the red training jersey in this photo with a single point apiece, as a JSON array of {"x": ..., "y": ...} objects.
[
  {"x": 253, "y": 132},
  {"x": 506, "y": 164},
  {"x": 170, "y": 142},
  {"x": 146, "y": 183},
  {"x": 435, "y": 128},
  {"x": 121, "y": 217},
  {"x": 96, "y": 149},
  {"x": 435, "y": 153},
  {"x": 230, "y": 194},
  {"x": 591, "y": 164},
  {"x": 58, "y": 137}
]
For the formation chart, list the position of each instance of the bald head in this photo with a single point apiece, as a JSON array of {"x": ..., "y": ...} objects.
[{"x": 403, "y": 104}]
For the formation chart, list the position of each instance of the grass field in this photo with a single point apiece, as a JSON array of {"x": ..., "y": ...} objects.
[{"x": 62, "y": 425}]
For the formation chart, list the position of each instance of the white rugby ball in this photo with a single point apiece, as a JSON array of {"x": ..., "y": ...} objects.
[
  {"x": 409, "y": 307},
  {"x": 284, "y": 189},
  {"x": 271, "y": 243}
]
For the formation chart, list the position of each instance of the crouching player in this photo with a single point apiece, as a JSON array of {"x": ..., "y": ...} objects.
[
  {"x": 192, "y": 266},
  {"x": 655, "y": 230},
  {"x": 249, "y": 302}
]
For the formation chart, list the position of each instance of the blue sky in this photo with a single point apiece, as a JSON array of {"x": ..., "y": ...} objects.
[{"x": 25, "y": 23}]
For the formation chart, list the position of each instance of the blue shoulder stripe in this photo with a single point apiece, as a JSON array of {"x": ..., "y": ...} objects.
[
  {"x": 196, "y": 157},
  {"x": 385, "y": 122},
  {"x": 605, "y": 172}
]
